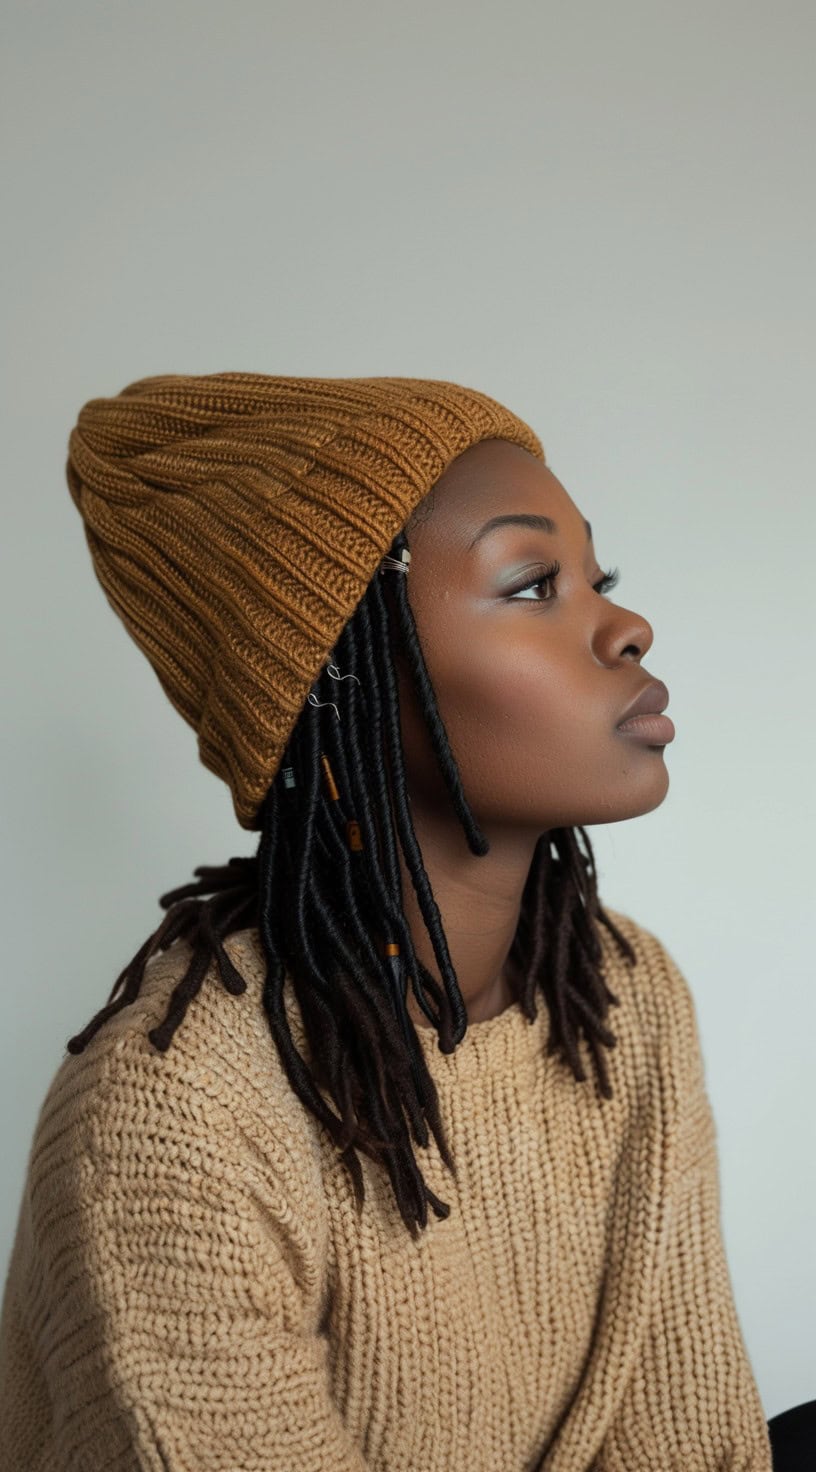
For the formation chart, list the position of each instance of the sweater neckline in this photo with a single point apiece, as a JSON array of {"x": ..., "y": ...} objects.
[{"x": 492, "y": 1046}]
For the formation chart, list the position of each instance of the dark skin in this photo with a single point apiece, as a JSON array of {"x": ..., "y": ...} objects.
[{"x": 530, "y": 689}]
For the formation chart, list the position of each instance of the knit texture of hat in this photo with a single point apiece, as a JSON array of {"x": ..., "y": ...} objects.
[{"x": 235, "y": 521}]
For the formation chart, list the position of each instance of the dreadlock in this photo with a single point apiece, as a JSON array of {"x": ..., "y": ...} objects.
[{"x": 326, "y": 878}]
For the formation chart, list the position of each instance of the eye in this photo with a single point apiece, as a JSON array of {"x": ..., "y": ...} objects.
[{"x": 544, "y": 575}]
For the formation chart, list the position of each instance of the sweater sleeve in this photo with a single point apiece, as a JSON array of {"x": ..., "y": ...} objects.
[
  {"x": 181, "y": 1239},
  {"x": 691, "y": 1403}
]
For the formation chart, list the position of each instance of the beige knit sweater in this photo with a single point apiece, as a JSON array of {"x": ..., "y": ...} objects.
[{"x": 191, "y": 1289}]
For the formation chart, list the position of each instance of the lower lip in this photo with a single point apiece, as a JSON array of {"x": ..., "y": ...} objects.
[{"x": 654, "y": 730}]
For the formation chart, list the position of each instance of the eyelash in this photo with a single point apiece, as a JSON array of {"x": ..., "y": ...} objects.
[{"x": 549, "y": 574}]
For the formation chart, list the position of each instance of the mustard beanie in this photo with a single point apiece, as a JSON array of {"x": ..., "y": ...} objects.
[{"x": 235, "y": 521}]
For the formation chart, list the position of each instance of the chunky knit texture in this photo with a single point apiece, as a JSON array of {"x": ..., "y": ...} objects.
[
  {"x": 235, "y": 521},
  {"x": 191, "y": 1288}
]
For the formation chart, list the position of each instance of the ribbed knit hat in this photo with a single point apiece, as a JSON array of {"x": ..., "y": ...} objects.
[{"x": 235, "y": 521}]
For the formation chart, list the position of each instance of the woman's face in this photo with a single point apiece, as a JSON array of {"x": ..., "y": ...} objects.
[{"x": 530, "y": 685}]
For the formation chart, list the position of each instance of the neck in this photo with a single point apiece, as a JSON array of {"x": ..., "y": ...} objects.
[{"x": 479, "y": 902}]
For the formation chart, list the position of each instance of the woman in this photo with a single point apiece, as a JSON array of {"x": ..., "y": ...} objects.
[{"x": 383, "y": 615}]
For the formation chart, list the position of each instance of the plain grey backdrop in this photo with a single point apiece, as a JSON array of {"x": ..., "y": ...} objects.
[{"x": 602, "y": 215}]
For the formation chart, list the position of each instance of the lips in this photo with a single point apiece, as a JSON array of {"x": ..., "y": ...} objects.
[{"x": 650, "y": 700}]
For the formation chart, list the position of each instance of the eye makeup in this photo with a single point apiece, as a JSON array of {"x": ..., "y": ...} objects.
[{"x": 548, "y": 574}]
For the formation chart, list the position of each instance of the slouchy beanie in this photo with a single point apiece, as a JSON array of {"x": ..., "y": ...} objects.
[{"x": 235, "y": 521}]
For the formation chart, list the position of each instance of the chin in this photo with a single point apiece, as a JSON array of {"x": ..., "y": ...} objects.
[
  {"x": 648, "y": 792},
  {"x": 640, "y": 789}
]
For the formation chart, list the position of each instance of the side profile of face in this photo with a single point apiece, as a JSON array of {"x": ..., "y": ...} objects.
[{"x": 530, "y": 681}]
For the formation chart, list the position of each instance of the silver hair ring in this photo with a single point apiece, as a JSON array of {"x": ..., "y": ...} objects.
[
  {"x": 313, "y": 700},
  {"x": 336, "y": 675}
]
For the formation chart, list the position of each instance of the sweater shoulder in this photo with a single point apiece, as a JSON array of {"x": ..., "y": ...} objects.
[
  {"x": 657, "y": 1019},
  {"x": 654, "y": 988},
  {"x": 220, "y": 1084}
]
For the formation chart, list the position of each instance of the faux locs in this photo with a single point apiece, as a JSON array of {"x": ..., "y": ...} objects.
[{"x": 324, "y": 892}]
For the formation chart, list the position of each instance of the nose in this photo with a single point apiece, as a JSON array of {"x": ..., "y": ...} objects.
[{"x": 630, "y": 635}]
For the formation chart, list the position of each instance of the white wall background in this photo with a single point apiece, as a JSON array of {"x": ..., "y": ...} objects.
[{"x": 603, "y": 215}]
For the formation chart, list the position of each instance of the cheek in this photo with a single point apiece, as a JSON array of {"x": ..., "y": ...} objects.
[
  {"x": 514, "y": 691},
  {"x": 517, "y": 720},
  {"x": 500, "y": 706}
]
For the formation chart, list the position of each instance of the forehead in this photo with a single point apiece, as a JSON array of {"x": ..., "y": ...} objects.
[{"x": 488, "y": 479}]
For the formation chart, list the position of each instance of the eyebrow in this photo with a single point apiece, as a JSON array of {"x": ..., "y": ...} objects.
[{"x": 523, "y": 518}]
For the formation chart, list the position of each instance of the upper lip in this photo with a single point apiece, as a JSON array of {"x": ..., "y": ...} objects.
[{"x": 651, "y": 700}]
